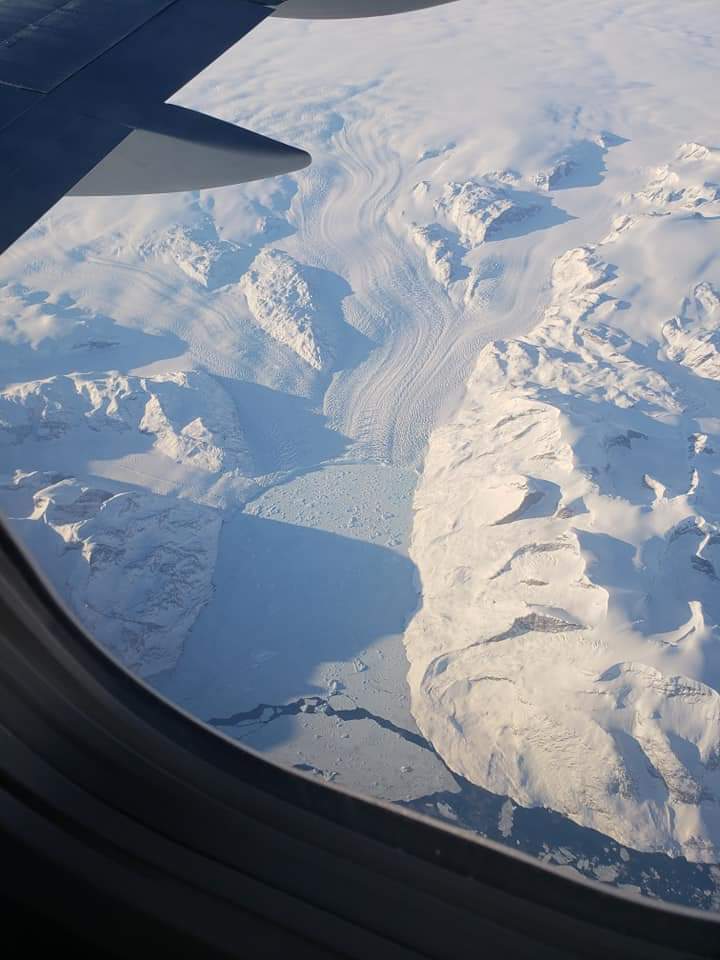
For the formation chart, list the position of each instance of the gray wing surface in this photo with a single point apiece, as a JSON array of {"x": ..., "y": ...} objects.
[{"x": 83, "y": 85}]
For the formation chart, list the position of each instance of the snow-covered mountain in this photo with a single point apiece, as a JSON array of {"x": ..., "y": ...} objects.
[
  {"x": 190, "y": 419},
  {"x": 135, "y": 567},
  {"x": 281, "y": 303},
  {"x": 567, "y": 533}
]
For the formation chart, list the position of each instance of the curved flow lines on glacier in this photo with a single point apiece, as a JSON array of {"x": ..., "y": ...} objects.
[{"x": 389, "y": 403}]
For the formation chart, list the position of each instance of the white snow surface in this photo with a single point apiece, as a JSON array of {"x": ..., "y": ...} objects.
[{"x": 498, "y": 275}]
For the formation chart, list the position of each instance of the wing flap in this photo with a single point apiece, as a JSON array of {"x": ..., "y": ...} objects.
[
  {"x": 14, "y": 102},
  {"x": 43, "y": 51},
  {"x": 152, "y": 63},
  {"x": 15, "y": 15}
]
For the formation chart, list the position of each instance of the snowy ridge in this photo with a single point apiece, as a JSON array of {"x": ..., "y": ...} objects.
[
  {"x": 135, "y": 566},
  {"x": 567, "y": 533},
  {"x": 282, "y": 304},
  {"x": 189, "y": 416},
  {"x": 693, "y": 337},
  {"x": 198, "y": 252},
  {"x": 580, "y": 164},
  {"x": 472, "y": 212},
  {"x": 171, "y": 441},
  {"x": 480, "y": 210},
  {"x": 442, "y": 252},
  {"x": 162, "y": 550},
  {"x": 554, "y": 175},
  {"x": 690, "y": 181}
]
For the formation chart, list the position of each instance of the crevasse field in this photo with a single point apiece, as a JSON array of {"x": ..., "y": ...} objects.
[{"x": 405, "y": 470}]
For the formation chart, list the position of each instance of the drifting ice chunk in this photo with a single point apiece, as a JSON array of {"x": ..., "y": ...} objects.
[{"x": 505, "y": 820}]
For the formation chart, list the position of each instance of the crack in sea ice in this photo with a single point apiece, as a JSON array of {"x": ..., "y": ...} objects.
[{"x": 265, "y": 713}]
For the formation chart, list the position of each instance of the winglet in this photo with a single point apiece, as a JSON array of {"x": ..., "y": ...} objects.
[{"x": 172, "y": 148}]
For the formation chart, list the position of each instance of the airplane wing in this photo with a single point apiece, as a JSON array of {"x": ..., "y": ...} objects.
[{"x": 83, "y": 85}]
